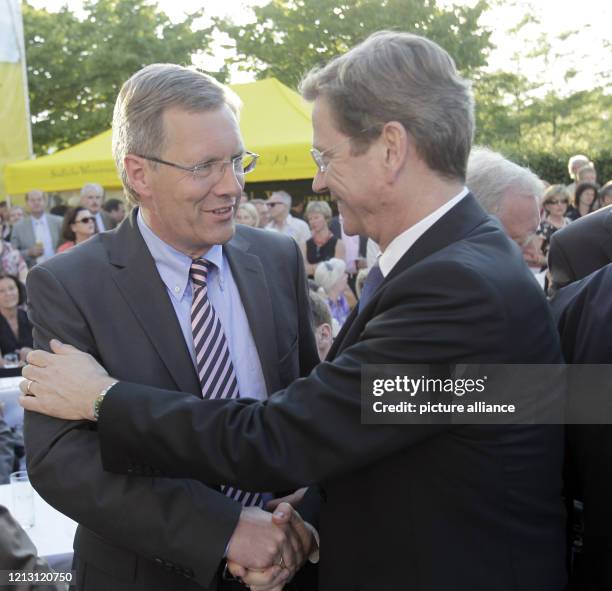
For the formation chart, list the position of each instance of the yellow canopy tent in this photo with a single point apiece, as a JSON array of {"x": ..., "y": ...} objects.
[{"x": 275, "y": 123}]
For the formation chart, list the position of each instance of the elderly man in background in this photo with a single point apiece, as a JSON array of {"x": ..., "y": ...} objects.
[
  {"x": 279, "y": 206},
  {"x": 37, "y": 236},
  {"x": 574, "y": 164},
  {"x": 92, "y": 198},
  {"x": 512, "y": 194}
]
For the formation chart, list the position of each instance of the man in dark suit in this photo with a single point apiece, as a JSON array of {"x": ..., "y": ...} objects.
[
  {"x": 421, "y": 506},
  {"x": 584, "y": 316},
  {"x": 581, "y": 248},
  {"x": 127, "y": 297}
]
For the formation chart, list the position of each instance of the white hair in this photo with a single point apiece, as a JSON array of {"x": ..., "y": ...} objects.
[
  {"x": 490, "y": 177},
  {"x": 89, "y": 186},
  {"x": 328, "y": 272},
  {"x": 573, "y": 161},
  {"x": 283, "y": 196}
]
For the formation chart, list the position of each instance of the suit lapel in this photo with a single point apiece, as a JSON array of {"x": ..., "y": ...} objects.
[
  {"x": 137, "y": 279},
  {"x": 250, "y": 278},
  {"x": 454, "y": 225}
]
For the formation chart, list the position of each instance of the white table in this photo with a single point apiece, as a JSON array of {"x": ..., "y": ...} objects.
[
  {"x": 52, "y": 533},
  {"x": 9, "y": 395}
]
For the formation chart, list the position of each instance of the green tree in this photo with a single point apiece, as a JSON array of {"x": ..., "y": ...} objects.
[
  {"x": 76, "y": 65},
  {"x": 291, "y": 36}
]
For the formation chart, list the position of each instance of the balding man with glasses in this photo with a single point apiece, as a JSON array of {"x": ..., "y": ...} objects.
[{"x": 177, "y": 295}]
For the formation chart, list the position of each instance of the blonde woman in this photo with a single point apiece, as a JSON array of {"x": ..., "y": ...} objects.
[{"x": 322, "y": 245}]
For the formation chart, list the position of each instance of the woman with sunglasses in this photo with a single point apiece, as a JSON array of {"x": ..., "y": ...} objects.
[
  {"x": 78, "y": 226},
  {"x": 555, "y": 203}
]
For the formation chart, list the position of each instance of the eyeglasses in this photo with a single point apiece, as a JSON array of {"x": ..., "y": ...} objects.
[
  {"x": 85, "y": 220},
  {"x": 556, "y": 202},
  {"x": 318, "y": 156},
  {"x": 242, "y": 165}
]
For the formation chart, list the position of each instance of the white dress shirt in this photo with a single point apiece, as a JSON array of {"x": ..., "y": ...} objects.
[{"x": 400, "y": 245}]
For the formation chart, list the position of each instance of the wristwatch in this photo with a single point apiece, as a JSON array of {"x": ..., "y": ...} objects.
[{"x": 97, "y": 405}]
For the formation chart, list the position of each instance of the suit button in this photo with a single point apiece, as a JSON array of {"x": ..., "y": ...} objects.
[{"x": 158, "y": 561}]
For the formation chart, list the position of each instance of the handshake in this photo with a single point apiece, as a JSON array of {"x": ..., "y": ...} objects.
[{"x": 267, "y": 549}]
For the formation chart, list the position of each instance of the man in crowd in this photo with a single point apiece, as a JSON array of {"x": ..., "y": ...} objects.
[
  {"x": 422, "y": 506},
  {"x": 115, "y": 209},
  {"x": 92, "y": 197},
  {"x": 509, "y": 192},
  {"x": 281, "y": 220},
  {"x": 574, "y": 164},
  {"x": 587, "y": 174},
  {"x": 172, "y": 297},
  {"x": 581, "y": 266},
  {"x": 38, "y": 234},
  {"x": 322, "y": 323},
  {"x": 580, "y": 248}
]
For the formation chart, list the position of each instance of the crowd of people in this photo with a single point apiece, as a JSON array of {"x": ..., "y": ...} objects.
[{"x": 411, "y": 271}]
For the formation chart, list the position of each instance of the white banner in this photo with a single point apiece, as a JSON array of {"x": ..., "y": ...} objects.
[{"x": 10, "y": 31}]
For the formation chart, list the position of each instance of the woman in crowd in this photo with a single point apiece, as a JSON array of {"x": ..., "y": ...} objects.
[
  {"x": 322, "y": 245},
  {"x": 247, "y": 215},
  {"x": 555, "y": 203},
  {"x": 584, "y": 200},
  {"x": 15, "y": 327},
  {"x": 331, "y": 276},
  {"x": 78, "y": 226}
]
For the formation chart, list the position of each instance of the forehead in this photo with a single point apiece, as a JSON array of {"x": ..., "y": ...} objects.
[
  {"x": 35, "y": 196},
  {"x": 324, "y": 129},
  {"x": 201, "y": 134}
]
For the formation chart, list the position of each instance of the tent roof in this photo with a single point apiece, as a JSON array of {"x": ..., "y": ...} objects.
[{"x": 275, "y": 123}]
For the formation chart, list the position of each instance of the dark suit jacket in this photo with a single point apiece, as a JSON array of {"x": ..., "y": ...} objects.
[
  {"x": 584, "y": 316},
  {"x": 419, "y": 507},
  {"x": 581, "y": 248},
  {"x": 106, "y": 297}
]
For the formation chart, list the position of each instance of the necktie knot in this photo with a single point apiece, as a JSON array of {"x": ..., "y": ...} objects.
[{"x": 199, "y": 272}]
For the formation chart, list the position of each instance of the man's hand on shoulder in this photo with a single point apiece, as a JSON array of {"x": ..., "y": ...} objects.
[
  {"x": 266, "y": 550},
  {"x": 62, "y": 384}
]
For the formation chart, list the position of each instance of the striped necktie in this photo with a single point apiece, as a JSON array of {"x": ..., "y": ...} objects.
[{"x": 213, "y": 362}]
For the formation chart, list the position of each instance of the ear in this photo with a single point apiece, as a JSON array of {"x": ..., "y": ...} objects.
[
  {"x": 397, "y": 144},
  {"x": 138, "y": 174}
]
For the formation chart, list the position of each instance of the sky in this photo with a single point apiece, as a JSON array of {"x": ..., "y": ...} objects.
[{"x": 585, "y": 51}]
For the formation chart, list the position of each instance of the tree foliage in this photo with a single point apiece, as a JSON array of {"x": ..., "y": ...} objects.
[
  {"x": 76, "y": 65},
  {"x": 289, "y": 37}
]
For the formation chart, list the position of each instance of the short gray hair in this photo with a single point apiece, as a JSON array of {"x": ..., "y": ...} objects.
[
  {"x": 138, "y": 114},
  {"x": 95, "y": 186},
  {"x": 321, "y": 207},
  {"x": 395, "y": 76},
  {"x": 283, "y": 196},
  {"x": 490, "y": 176},
  {"x": 573, "y": 161}
]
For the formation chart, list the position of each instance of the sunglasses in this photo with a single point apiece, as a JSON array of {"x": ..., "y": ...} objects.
[
  {"x": 85, "y": 220},
  {"x": 557, "y": 202}
]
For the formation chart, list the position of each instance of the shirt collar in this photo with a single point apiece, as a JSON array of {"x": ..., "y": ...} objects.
[
  {"x": 174, "y": 266},
  {"x": 400, "y": 245}
]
